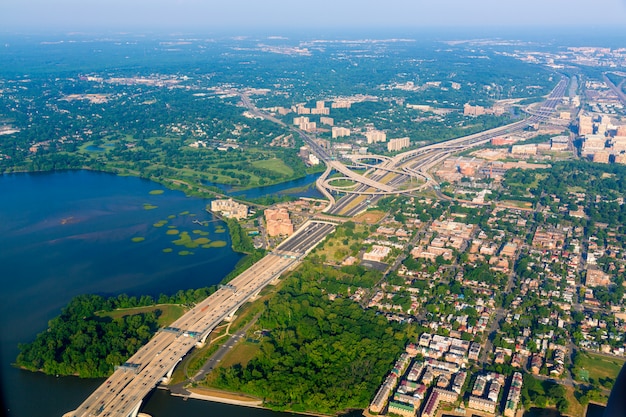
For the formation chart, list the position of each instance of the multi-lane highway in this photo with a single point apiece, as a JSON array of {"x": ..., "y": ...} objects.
[
  {"x": 417, "y": 162},
  {"x": 122, "y": 393}
]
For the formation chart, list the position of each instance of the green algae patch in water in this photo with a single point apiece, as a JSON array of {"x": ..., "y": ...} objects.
[
  {"x": 184, "y": 213},
  {"x": 220, "y": 230},
  {"x": 160, "y": 223},
  {"x": 201, "y": 233},
  {"x": 171, "y": 216},
  {"x": 137, "y": 239},
  {"x": 147, "y": 206},
  {"x": 168, "y": 250},
  {"x": 185, "y": 240},
  {"x": 201, "y": 241},
  {"x": 156, "y": 192},
  {"x": 185, "y": 253},
  {"x": 172, "y": 232},
  {"x": 218, "y": 244}
]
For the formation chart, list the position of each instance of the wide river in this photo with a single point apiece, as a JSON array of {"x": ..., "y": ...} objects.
[{"x": 69, "y": 233}]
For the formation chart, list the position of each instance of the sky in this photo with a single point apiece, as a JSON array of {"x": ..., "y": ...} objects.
[{"x": 240, "y": 15}]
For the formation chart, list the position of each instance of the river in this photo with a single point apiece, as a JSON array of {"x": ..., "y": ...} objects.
[
  {"x": 301, "y": 187},
  {"x": 69, "y": 233}
]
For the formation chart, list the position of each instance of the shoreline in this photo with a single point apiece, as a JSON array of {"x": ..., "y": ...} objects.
[
  {"x": 221, "y": 397},
  {"x": 231, "y": 398}
]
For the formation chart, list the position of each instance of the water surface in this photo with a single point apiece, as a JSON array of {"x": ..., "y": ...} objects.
[{"x": 69, "y": 233}]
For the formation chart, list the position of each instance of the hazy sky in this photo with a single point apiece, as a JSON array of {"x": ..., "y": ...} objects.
[{"x": 239, "y": 15}]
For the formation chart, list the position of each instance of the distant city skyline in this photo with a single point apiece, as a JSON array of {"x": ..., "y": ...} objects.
[{"x": 276, "y": 15}]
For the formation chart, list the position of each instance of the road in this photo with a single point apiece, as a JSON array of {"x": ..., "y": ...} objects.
[{"x": 123, "y": 392}]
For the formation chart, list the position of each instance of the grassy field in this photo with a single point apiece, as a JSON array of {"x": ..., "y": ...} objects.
[
  {"x": 336, "y": 249},
  {"x": 574, "y": 408},
  {"x": 241, "y": 354},
  {"x": 342, "y": 183},
  {"x": 599, "y": 367},
  {"x": 169, "y": 313},
  {"x": 275, "y": 165},
  {"x": 520, "y": 204}
]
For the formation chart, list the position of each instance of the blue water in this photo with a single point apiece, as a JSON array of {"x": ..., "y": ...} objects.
[
  {"x": 92, "y": 148},
  {"x": 69, "y": 233},
  {"x": 594, "y": 410},
  {"x": 285, "y": 188}
]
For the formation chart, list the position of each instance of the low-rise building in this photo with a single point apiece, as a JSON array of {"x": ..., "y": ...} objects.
[
  {"x": 377, "y": 254},
  {"x": 482, "y": 404}
]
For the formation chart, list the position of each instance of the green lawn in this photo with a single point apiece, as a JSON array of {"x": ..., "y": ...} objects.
[
  {"x": 342, "y": 183},
  {"x": 599, "y": 366},
  {"x": 275, "y": 165},
  {"x": 169, "y": 313}
]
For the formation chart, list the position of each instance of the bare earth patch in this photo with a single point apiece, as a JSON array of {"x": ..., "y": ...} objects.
[{"x": 369, "y": 217}]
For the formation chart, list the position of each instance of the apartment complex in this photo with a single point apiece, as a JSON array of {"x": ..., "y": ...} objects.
[
  {"x": 375, "y": 136},
  {"x": 339, "y": 132},
  {"x": 278, "y": 222},
  {"x": 398, "y": 144},
  {"x": 229, "y": 208}
]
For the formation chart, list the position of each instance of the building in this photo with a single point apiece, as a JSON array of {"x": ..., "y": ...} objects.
[
  {"x": 341, "y": 104},
  {"x": 482, "y": 404},
  {"x": 320, "y": 108},
  {"x": 313, "y": 160},
  {"x": 601, "y": 157},
  {"x": 536, "y": 362},
  {"x": 469, "y": 110},
  {"x": 402, "y": 409},
  {"x": 339, "y": 132},
  {"x": 512, "y": 400},
  {"x": 229, "y": 208},
  {"x": 278, "y": 222},
  {"x": 382, "y": 395},
  {"x": 375, "y": 136},
  {"x": 300, "y": 109},
  {"x": 593, "y": 144},
  {"x": 500, "y": 141},
  {"x": 585, "y": 125},
  {"x": 398, "y": 144},
  {"x": 508, "y": 250},
  {"x": 524, "y": 149},
  {"x": 304, "y": 123},
  {"x": 377, "y": 254},
  {"x": 437, "y": 396},
  {"x": 474, "y": 351},
  {"x": 559, "y": 143},
  {"x": 328, "y": 121},
  {"x": 620, "y": 158}
]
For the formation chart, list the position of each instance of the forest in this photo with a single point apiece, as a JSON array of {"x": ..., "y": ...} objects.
[
  {"x": 319, "y": 355},
  {"x": 81, "y": 342}
]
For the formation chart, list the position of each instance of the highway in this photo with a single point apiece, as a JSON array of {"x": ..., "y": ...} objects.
[
  {"x": 123, "y": 392},
  {"x": 417, "y": 162}
]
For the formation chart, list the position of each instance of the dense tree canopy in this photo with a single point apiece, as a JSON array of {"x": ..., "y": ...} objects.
[{"x": 319, "y": 355}]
